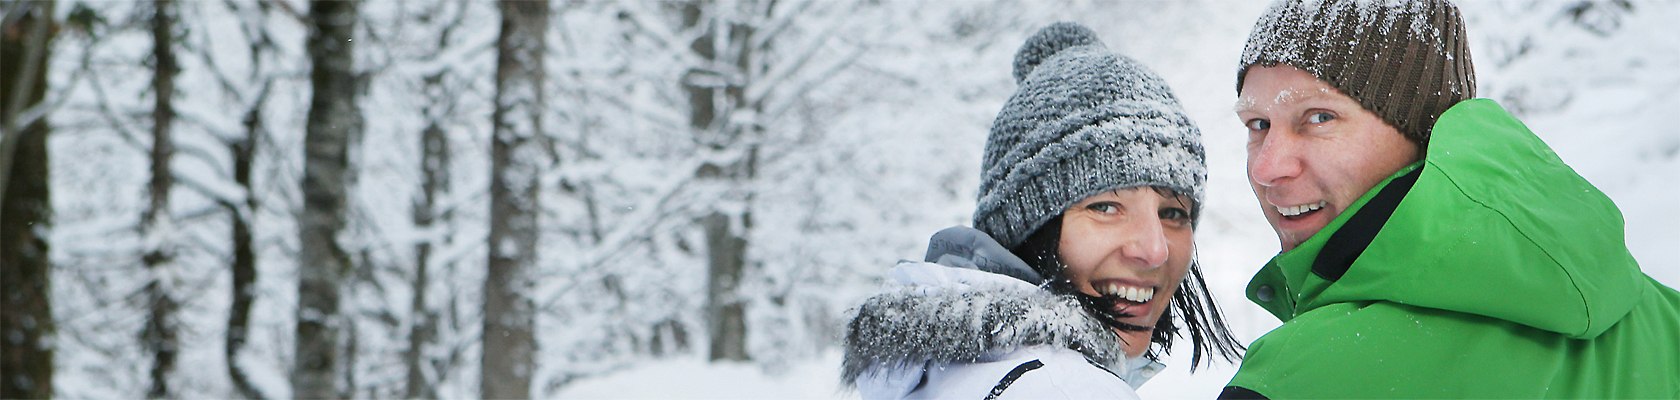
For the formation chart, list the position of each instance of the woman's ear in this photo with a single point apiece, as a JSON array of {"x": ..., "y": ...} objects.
[
  {"x": 965, "y": 247},
  {"x": 1041, "y": 249}
]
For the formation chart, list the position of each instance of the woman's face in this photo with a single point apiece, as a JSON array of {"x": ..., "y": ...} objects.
[{"x": 1133, "y": 244}]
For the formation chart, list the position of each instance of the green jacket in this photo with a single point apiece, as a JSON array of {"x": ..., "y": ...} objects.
[{"x": 1488, "y": 270}]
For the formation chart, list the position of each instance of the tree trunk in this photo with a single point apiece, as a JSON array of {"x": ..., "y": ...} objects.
[
  {"x": 242, "y": 217},
  {"x": 434, "y": 170},
  {"x": 517, "y": 157},
  {"x": 26, "y": 322},
  {"x": 333, "y": 122},
  {"x": 726, "y": 315},
  {"x": 244, "y": 266},
  {"x": 710, "y": 107},
  {"x": 159, "y": 336}
]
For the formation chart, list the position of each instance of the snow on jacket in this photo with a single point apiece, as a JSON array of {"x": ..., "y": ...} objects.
[
  {"x": 945, "y": 332},
  {"x": 1488, "y": 270}
]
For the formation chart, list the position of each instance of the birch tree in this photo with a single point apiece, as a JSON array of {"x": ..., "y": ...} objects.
[
  {"x": 334, "y": 122},
  {"x": 517, "y": 157}
]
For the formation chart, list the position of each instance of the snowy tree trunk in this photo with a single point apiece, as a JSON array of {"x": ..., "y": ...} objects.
[
  {"x": 334, "y": 121},
  {"x": 715, "y": 94},
  {"x": 26, "y": 321},
  {"x": 159, "y": 336},
  {"x": 516, "y": 159},
  {"x": 244, "y": 266},
  {"x": 242, "y": 212},
  {"x": 725, "y": 314},
  {"x": 434, "y": 172}
]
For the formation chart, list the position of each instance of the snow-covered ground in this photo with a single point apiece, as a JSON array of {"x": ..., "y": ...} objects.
[{"x": 694, "y": 378}]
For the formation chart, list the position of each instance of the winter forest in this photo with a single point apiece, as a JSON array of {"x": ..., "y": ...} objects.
[{"x": 608, "y": 199}]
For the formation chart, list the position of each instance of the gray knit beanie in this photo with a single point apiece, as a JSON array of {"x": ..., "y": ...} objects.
[
  {"x": 1405, "y": 61},
  {"x": 1083, "y": 120}
]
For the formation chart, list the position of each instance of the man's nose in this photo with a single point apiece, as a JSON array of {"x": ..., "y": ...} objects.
[{"x": 1275, "y": 158}]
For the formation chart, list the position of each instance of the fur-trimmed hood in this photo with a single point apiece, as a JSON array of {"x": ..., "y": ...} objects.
[{"x": 945, "y": 315}]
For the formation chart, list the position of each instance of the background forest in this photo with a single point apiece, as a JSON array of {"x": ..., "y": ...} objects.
[{"x": 461, "y": 199}]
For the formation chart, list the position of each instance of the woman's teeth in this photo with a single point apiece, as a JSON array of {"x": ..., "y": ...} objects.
[
  {"x": 1300, "y": 209},
  {"x": 1130, "y": 293}
]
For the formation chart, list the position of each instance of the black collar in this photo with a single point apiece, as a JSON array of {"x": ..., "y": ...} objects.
[{"x": 1347, "y": 243}]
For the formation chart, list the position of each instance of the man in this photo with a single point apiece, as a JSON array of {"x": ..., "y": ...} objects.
[{"x": 1431, "y": 245}]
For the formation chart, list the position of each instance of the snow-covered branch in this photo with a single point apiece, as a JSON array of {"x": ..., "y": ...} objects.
[{"x": 671, "y": 44}]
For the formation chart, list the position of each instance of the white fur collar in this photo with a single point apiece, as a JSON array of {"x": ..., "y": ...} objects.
[{"x": 940, "y": 314}]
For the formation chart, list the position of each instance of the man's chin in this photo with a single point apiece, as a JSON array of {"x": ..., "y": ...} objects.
[
  {"x": 1290, "y": 240},
  {"x": 1292, "y": 231}
]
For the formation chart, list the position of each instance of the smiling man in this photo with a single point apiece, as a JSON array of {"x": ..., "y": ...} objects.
[{"x": 1431, "y": 245}]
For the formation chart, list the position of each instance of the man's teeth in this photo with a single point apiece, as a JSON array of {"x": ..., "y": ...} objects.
[
  {"x": 1130, "y": 293},
  {"x": 1300, "y": 209}
]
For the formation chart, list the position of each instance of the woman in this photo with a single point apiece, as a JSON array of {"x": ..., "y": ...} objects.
[{"x": 1092, "y": 181}]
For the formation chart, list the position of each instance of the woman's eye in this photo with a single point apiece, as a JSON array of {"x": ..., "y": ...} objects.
[
  {"x": 1104, "y": 207},
  {"x": 1320, "y": 117},
  {"x": 1175, "y": 214},
  {"x": 1258, "y": 124}
]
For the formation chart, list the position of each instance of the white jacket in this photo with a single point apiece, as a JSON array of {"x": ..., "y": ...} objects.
[{"x": 942, "y": 332}]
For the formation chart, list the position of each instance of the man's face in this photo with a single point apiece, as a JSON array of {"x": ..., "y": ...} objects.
[{"x": 1312, "y": 150}]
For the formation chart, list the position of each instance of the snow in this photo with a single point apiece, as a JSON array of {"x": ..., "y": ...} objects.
[
  {"x": 870, "y": 145},
  {"x": 694, "y": 378}
]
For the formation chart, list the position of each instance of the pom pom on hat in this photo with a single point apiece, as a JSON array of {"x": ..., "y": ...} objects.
[
  {"x": 1049, "y": 41},
  {"x": 1083, "y": 120}
]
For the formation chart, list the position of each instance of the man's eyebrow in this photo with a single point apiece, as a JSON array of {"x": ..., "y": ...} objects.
[
  {"x": 1243, "y": 103},
  {"x": 1298, "y": 96},
  {"x": 1246, "y": 103}
]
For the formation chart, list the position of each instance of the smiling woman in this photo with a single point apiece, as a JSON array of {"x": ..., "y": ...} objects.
[
  {"x": 1080, "y": 267},
  {"x": 1123, "y": 253}
]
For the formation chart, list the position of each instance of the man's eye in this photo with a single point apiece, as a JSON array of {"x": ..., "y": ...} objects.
[
  {"x": 1320, "y": 117},
  {"x": 1258, "y": 124}
]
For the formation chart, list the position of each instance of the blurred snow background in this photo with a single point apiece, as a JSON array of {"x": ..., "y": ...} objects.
[{"x": 862, "y": 162}]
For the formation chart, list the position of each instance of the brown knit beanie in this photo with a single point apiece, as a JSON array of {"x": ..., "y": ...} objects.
[{"x": 1405, "y": 61}]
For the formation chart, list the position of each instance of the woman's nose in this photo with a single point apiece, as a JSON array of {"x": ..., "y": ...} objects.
[{"x": 1147, "y": 243}]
